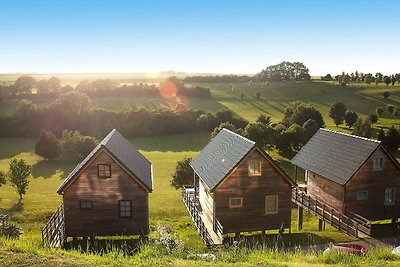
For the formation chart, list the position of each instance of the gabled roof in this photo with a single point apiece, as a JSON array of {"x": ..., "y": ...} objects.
[
  {"x": 334, "y": 155},
  {"x": 124, "y": 153},
  {"x": 220, "y": 156}
]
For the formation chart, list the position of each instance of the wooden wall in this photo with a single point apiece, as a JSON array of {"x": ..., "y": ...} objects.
[
  {"x": 104, "y": 219},
  {"x": 253, "y": 189},
  {"x": 206, "y": 201},
  {"x": 326, "y": 191},
  {"x": 375, "y": 182}
]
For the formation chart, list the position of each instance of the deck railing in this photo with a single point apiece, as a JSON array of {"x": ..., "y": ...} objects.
[
  {"x": 53, "y": 233},
  {"x": 194, "y": 214},
  {"x": 350, "y": 224},
  {"x": 219, "y": 229}
]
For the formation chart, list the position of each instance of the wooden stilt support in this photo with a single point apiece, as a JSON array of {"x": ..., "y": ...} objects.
[
  {"x": 320, "y": 224},
  {"x": 299, "y": 218}
]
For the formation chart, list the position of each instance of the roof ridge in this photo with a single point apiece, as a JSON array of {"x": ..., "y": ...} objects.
[
  {"x": 351, "y": 135},
  {"x": 108, "y": 137},
  {"x": 238, "y": 135}
]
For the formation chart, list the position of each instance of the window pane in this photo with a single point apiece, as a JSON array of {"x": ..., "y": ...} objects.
[
  {"x": 271, "y": 204},
  {"x": 254, "y": 167},
  {"x": 235, "y": 202},
  {"x": 125, "y": 208}
]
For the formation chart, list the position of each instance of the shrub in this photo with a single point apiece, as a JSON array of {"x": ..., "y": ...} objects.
[
  {"x": 373, "y": 118},
  {"x": 350, "y": 118},
  {"x": 223, "y": 125},
  {"x": 75, "y": 147},
  {"x": 337, "y": 112},
  {"x": 48, "y": 146},
  {"x": 390, "y": 109},
  {"x": 379, "y": 111}
]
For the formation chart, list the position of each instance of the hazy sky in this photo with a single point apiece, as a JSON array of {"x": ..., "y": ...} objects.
[{"x": 198, "y": 36}]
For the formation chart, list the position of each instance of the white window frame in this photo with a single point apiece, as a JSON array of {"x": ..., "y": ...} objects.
[
  {"x": 267, "y": 211},
  {"x": 390, "y": 194},
  {"x": 377, "y": 164},
  {"x": 252, "y": 163}
]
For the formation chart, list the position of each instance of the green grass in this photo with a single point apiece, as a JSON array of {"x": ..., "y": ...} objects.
[{"x": 166, "y": 206}]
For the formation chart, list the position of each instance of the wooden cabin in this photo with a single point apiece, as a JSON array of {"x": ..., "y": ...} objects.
[
  {"x": 107, "y": 193},
  {"x": 352, "y": 174},
  {"x": 240, "y": 186}
]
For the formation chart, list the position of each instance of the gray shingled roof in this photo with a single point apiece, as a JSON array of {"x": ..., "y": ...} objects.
[
  {"x": 334, "y": 155},
  {"x": 220, "y": 156},
  {"x": 125, "y": 153}
]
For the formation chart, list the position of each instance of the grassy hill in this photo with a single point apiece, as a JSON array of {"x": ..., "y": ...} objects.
[{"x": 166, "y": 206}]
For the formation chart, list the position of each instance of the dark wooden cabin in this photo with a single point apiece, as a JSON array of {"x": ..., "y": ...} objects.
[
  {"x": 107, "y": 193},
  {"x": 240, "y": 186},
  {"x": 351, "y": 174}
]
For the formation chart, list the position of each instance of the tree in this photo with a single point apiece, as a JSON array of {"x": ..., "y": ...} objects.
[
  {"x": 362, "y": 128},
  {"x": 285, "y": 71},
  {"x": 226, "y": 125},
  {"x": 393, "y": 80},
  {"x": 382, "y": 137},
  {"x": 373, "y": 118},
  {"x": 337, "y": 113},
  {"x": 299, "y": 112},
  {"x": 19, "y": 173},
  {"x": 379, "y": 111},
  {"x": 42, "y": 87},
  {"x": 387, "y": 80},
  {"x": 311, "y": 127},
  {"x": 66, "y": 89},
  {"x": 390, "y": 109},
  {"x": 386, "y": 95},
  {"x": 54, "y": 84},
  {"x": 258, "y": 95},
  {"x": 183, "y": 174},
  {"x": 3, "y": 178},
  {"x": 266, "y": 120},
  {"x": 392, "y": 139},
  {"x": 48, "y": 146},
  {"x": 24, "y": 85},
  {"x": 350, "y": 118},
  {"x": 368, "y": 78},
  {"x": 327, "y": 77},
  {"x": 75, "y": 147}
]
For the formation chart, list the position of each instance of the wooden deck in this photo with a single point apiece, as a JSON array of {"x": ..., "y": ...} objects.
[
  {"x": 350, "y": 223},
  {"x": 203, "y": 224}
]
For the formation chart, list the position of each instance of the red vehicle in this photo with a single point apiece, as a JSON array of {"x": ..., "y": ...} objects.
[{"x": 349, "y": 248}]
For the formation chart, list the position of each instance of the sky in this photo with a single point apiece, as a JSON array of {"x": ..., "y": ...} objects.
[{"x": 218, "y": 36}]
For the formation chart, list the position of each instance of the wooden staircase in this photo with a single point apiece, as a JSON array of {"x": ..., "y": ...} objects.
[
  {"x": 53, "y": 233},
  {"x": 203, "y": 224},
  {"x": 349, "y": 223}
]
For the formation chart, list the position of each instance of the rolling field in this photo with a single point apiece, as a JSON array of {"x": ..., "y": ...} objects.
[{"x": 166, "y": 206}]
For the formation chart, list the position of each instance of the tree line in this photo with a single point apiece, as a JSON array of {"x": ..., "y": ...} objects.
[
  {"x": 28, "y": 87},
  {"x": 366, "y": 78},
  {"x": 74, "y": 111}
]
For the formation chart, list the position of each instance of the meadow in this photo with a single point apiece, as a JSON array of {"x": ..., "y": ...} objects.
[{"x": 166, "y": 206}]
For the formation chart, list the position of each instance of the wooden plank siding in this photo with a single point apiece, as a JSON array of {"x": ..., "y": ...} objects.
[
  {"x": 206, "y": 201},
  {"x": 325, "y": 191},
  {"x": 103, "y": 218},
  {"x": 253, "y": 189},
  {"x": 375, "y": 182}
]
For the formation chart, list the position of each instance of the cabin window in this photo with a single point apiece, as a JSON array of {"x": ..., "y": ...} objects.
[
  {"x": 235, "y": 202},
  {"x": 85, "y": 205},
  {"x": 254, "y": 168},
  {"x": 378, "y": 164},
  {"x": 271, "y": 204},
  {"x": 104, "y": 170},
  {"x": 125, "y": 208},
  {"x": 390, "y": 194},
  {"x": 362, "y": 195}
]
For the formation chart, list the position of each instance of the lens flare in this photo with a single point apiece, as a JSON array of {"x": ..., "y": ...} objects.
[{"x": 168, "y": 90}]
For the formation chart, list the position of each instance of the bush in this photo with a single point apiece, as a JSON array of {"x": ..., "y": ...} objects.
[
  {"x": 11, "y": 231},
  {"x": 75, "y": 147},
  {"x": 337, "y": 112},
  {"x": 379, "y": 111},
  {"x": 390, "y": 109},
  {"x": 373, "y": 118},
  {"x": 48, "y": 146},
  {"x": 362, "y": 128},
  {"x": 350, "y": 118}
]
